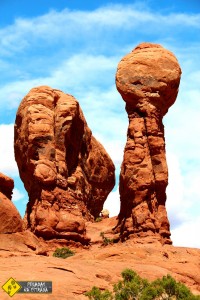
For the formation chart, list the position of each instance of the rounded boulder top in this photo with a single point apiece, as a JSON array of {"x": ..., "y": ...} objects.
[{"x": 150, "y": 74}]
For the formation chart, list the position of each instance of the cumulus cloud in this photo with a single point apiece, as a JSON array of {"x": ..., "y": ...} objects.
[
  {"x": 186, "y": 235},
  {"x": 66, "y": 24},
  {"x": 7, "y": 160},
  {"x": 70, "y": 75},
  {"x": 17, "y": 195},
  {"x": 113, "y": 203},
  {"x": 175, "y": 202}
]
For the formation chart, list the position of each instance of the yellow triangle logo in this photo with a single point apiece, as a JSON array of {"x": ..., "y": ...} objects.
[{"x": 11, "y": 287}]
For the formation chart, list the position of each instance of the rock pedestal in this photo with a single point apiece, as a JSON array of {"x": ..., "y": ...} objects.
[
  {"x": 148, "y": 80},
  {"x": 66, "y": 172}
]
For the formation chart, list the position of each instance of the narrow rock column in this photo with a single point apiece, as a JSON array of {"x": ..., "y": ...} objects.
[{"x": 148, "y": 80}]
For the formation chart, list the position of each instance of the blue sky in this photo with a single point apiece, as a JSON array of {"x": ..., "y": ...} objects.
[{"x": 75, "y": 46}]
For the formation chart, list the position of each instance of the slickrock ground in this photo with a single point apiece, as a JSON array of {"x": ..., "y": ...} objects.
[
  {"x": 10, "y": 219},
  {"x": 148, "y": 80},
  {"x": 66, "y": 171},
  {"x": 98, "y": 265}
]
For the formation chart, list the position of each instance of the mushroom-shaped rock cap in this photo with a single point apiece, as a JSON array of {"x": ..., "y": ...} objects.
[{"x": 149, "y": 74}]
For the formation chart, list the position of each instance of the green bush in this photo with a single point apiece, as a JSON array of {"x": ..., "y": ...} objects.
[
  {"x": 63, "y": 252},
  {"x": 97, "y": 294},
  {"x": 130, "y": 287},
  {"x": 173, "y": 288},
  {"x": 150, "y": 292},
  {"x": 128, "y": 275},
  {"x": 133, "y": 287},
  {"x": 126, "y": 291}
]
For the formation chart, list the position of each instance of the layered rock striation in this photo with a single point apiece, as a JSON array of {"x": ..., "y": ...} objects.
[
  {"x": 10, "y": 219},
  {"x": 148, "y": 80},
  {"x": 66, "y": 171}
]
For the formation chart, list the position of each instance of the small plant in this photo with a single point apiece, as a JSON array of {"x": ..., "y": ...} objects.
[
  {"x": 63, "y": 252},
  {"x": 97, "y": 294},
  {"x": 99, "y": 219},
  {"x": 106, "y": 241},
  {"x": 133, "y": 287}
]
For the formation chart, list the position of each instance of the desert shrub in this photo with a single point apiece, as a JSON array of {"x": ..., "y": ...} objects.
[
  {"x": 128, "y": 275},
  {"x": 173, "y": 288},
  {"x": 106, "y": 241},
  {"x": 97, "y": 294},
  {"x": 169, "y": 284},
  {"x": 63, "y": 252},
  {"x": 126, "y": 291},
  {"x": 133, "y": 287},
  {"x": 150, "y": 292},
  {"x": 130, "y": 287}
]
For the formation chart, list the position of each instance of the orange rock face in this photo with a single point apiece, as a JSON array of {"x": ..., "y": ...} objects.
[
  {"x": 66, "y": 172},
  {"x": 10, "y": 219},
  {"x": 148, "y": 80}
]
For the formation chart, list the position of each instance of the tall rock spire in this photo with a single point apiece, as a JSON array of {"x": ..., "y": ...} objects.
[{"x": 148, "y": 80}]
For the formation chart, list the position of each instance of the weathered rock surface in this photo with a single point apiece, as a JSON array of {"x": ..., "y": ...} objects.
[
  {"x": 6, "y": 185},
  {"x": 66, "y": 172},
  {"x": 10, "y": 219},
  {"x": 148, "y": 80},
  {"x": 100, "y": 265}
]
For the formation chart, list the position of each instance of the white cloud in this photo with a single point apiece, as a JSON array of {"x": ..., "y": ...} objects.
[
  {"x": 183, "y": 203},
  {"x": 17, "y": 195},
  {"x": 70, "y": 76},
  {"x": 187, "y": 235},
  {"x": 175, "y": 205},
  {"x": 182, "y": 128},
  {"x": 8, "y": 165},
  {"x": 191, "y": 193},
  {"x": 77, "y": 25},
  {"x": 113, "y": 203},
  {"x": 115, "y": 149}
]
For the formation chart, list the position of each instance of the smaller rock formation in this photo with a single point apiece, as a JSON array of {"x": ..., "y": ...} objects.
[
  {"x": 10, "y": 219},
  {"x": 105, "y": 213},
  {"x": 6, "y": 185},
  {"x": 66, "y": 171},
  {"x": 148, "y": 80}
]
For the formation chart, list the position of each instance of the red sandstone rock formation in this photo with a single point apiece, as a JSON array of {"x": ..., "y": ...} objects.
[
  {"x": 148, "y": 80},
  {"x": 66, "y": 172},
  {"x": 10, "y": 219}
]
